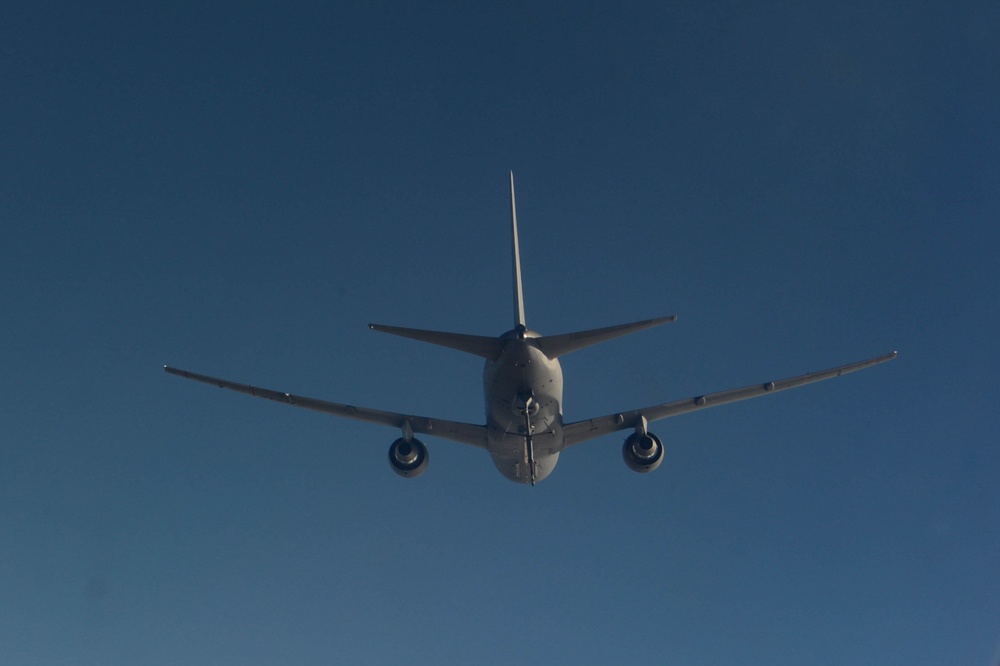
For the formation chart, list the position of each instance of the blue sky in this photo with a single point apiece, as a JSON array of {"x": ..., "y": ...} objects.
[{"x": 239, "y": 189}]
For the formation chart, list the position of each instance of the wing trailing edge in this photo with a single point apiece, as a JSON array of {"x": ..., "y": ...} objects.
[
  {"x": 465, "y": 433},
  {"x": 581, "y": 431}
]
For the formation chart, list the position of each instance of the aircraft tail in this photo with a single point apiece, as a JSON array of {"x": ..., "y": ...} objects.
[
  {"x": 518, "y": 293},
  {"x": 552, "y": 346},
  {"x": 555, "y": 346},
  {"x": 479, "y": 345}
]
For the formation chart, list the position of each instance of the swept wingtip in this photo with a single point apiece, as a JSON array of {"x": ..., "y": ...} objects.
[{"x": 885, "y": 357}]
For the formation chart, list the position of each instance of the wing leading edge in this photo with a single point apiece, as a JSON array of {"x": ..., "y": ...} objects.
[
  {"x": 465, "y": 433},
  {"x": 581, "y": 431}
]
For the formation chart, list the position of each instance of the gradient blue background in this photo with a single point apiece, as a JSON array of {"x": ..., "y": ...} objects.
[{"x": 238, "y": 189}]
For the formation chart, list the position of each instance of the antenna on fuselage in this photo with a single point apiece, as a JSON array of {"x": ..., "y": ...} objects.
[{"x": 518, "y": 293}]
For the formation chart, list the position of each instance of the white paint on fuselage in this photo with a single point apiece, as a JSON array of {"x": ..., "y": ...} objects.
[{"x": 522, "y": 371}]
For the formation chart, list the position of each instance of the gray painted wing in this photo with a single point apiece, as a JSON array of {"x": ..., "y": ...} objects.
[
  {"x": 466, "y": 433},
  {"x": 581, "y": 431}
]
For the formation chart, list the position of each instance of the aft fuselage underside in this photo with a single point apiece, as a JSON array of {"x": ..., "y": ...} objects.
[{"x": 523, "y": 390}]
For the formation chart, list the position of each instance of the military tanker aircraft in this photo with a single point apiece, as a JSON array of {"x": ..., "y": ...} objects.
[{"x": 524, "y": 431}]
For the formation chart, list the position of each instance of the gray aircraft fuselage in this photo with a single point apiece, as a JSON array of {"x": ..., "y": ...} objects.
[{"x": 523, "y": 389}]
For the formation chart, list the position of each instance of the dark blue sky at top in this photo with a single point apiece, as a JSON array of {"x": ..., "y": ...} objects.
[{"x": 240, "y": 189}]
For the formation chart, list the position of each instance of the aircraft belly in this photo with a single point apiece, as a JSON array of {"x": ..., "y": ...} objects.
[
  {"x": 523, "y": 391},
  {"x": 507, "y": 444},
  {"x": 516, "y": 469}
]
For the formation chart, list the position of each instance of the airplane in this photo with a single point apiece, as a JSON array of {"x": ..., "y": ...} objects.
[{"x": 524, "y": 431}]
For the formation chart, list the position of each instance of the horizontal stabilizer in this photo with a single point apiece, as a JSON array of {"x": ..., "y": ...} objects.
[
  {"x": 555, "y": 346},
  {"x": 479, "y": 345}
]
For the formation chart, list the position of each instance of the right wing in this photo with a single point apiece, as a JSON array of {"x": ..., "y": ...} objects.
[
  {"x": 466, "y": 433},
  {"x": 582, "y": 431}
]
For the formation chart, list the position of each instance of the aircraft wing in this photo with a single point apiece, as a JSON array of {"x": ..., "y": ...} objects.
[
  {"x": 466, "y": 433},
  {"x": 582, "y": 431}
]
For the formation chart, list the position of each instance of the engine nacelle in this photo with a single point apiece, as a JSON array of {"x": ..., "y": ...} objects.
[
  {"x": 642, "y": 453},
  {"x": 408, "y": 458}
]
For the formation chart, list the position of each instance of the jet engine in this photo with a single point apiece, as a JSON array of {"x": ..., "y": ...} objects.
[
  {"x": 642, "y": 452},
  {"x": 408, "y": 457}
]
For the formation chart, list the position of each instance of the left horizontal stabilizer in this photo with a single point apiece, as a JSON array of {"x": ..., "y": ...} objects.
[{"x": 479, "y": 345}]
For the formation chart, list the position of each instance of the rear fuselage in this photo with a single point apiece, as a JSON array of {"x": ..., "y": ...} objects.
[{"x": 523, "y": 389}]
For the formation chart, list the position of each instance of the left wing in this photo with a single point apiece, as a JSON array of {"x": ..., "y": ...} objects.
[
  {"x": 466, "y": 433},
  {"x": 581, "y": 431}
]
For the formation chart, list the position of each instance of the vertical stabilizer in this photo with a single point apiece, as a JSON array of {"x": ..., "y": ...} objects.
[{"x": 518, "y": 293}]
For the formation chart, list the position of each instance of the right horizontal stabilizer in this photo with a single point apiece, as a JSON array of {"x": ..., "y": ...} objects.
[{"x": 555, "y": 346}]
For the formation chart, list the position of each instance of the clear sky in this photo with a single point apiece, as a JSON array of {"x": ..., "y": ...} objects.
[{"x": 239, "y": 188}]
